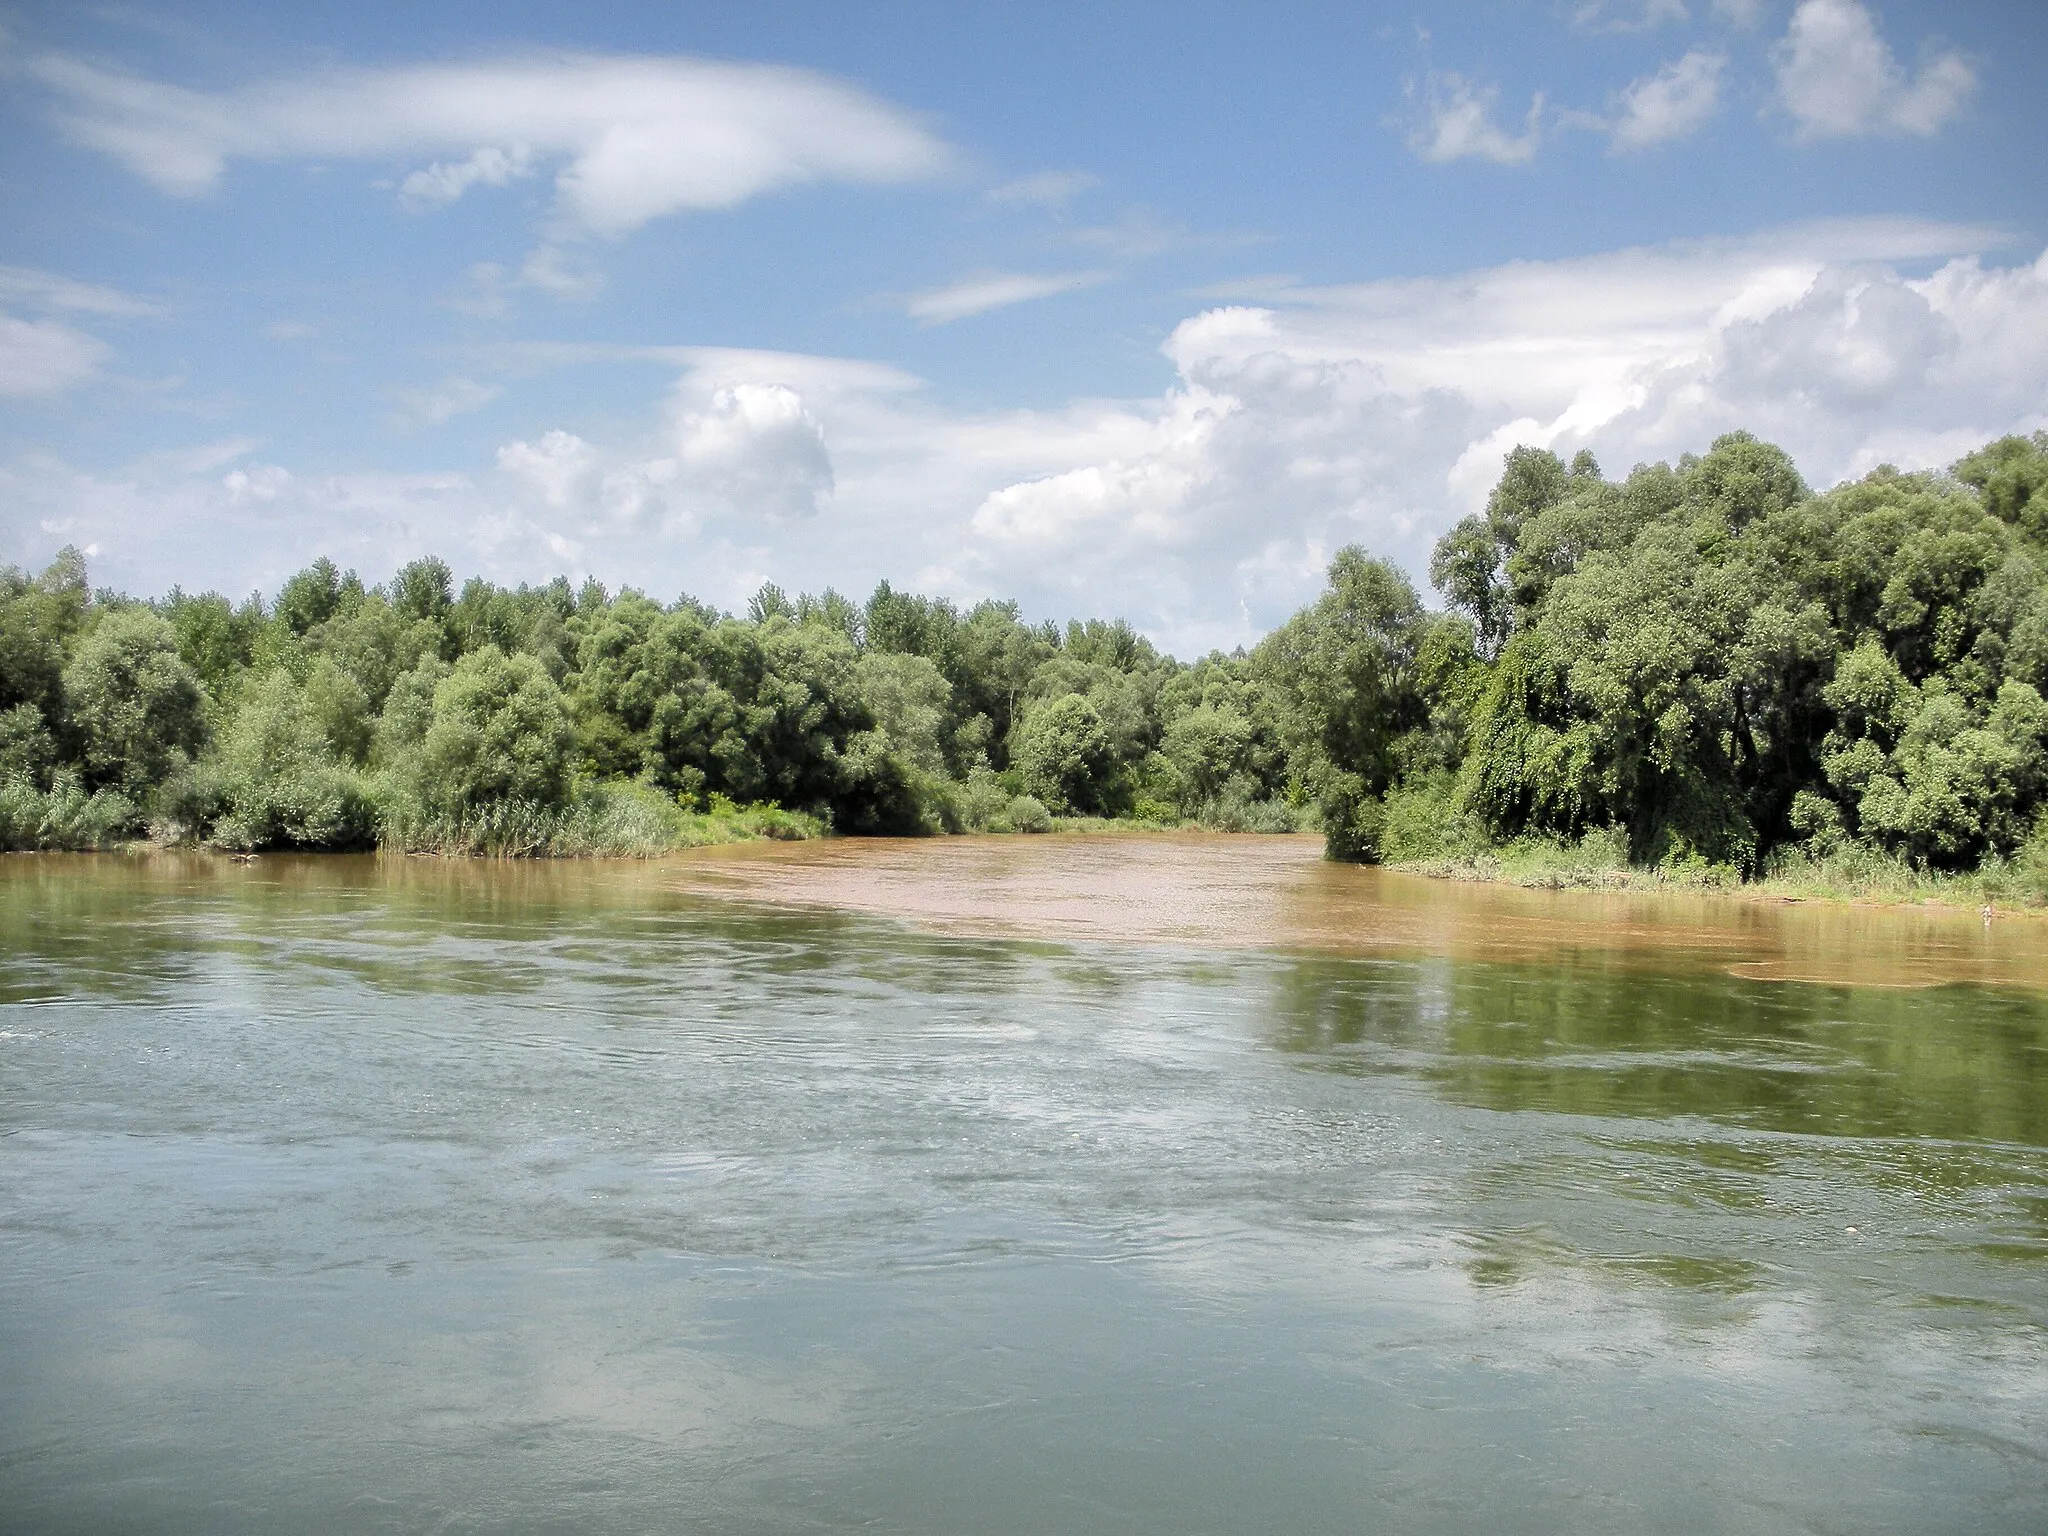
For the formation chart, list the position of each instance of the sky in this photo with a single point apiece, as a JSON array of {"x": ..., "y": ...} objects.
[{"x": 1115, "y": 309}]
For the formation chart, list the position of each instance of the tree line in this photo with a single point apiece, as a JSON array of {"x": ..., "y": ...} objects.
[{"x": 1700, "y": 663}]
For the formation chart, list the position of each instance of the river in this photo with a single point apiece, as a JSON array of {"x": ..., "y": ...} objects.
[{"x": 1176, "y": 1184}]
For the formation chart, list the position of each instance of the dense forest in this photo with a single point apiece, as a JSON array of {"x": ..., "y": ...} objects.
[{"x": 1703, "y": 665}]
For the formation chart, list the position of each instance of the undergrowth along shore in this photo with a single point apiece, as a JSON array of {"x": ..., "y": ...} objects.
[
  {"x": 1850, "y": 874},
  {"x": 636, "y": 821}
]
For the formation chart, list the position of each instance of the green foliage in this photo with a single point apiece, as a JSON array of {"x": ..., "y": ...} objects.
[
  {"x": 1026, "y": 813},
  {"x": 315, "y": 595},
  {"x": 2012, "y": 475},
  {"x": 909, "y": 701},
  {"x": 64, "y": 816},
  {"x": 27, "y": 749},
  {"x": 498, "y": 734},
  {"x": 134, "y": 702},
  {"x": 423, "y": 589},
  {"x": 216, "y": 640},
  {"x": 277, "y": 781},
  {"x": 1699, "y": 672},
  {"x": 1064, "y": 755},
  {"x": 1347, "y": 668},
  {"x": 40, "y": 617},
  {"x": 374, "y": 644}
]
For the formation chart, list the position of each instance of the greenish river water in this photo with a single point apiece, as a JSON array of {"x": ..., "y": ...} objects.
[{"x": 1020, "y": 1185}]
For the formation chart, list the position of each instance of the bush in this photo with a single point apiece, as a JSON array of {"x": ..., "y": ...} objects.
[
  {"x": 1426, "y": 819},
  {"x": 603, "y": 820},
  {"x": 1353, "y": 820},
  {"x": 1027, "y": 813},
  {"x": 64, "y": 816},
  {"x": 983, "y": 803}
]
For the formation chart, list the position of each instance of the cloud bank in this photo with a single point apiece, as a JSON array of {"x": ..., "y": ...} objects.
[{"x": 1375, "y": 412}]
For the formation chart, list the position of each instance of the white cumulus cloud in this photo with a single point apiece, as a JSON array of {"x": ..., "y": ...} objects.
[
  {"x": 758, "y": 448},
  {"x": 1839, "y": 78},
  {"x": 630, "y": 138},
  {"x": 1457, "y": 124}
]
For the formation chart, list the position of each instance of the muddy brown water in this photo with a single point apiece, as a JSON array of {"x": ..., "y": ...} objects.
[{"x": 1009, "y": 1185}]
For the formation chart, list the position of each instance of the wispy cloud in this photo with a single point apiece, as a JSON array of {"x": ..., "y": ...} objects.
[
  {"x": 37, "y": 289},
  {"x": 1674, "y": 103},
  {"x": 45, "y": 357},
  {"x": 443, "y": 402},
  {"x": 1838, "y": 77},
  {"x": 488, "y": 287},
  {"x": 444, "y": 182},
  {"x": 631, "y": 138},
  {"x": 985, "y": 291},
  {"x": 1627, "y": 15},
  {"x": 50, "y": 356},
  {"x": 1044, "y": 189},
  {"x": 1138, "y": 234},
  {"x": 1457, "y": 123}
]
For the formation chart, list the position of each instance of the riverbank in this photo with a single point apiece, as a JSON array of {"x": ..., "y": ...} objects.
[{"x": 1852, "y": 877}]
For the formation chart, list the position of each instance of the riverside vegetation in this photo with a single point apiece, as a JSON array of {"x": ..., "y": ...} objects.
[{"x": 1702, "y": 673}]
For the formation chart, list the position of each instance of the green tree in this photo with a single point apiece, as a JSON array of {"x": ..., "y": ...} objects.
[
  {"x": 315, "y": 595},
  {"x": 1346, "y": 665},
  {"x": 279, "y": 780},
  {"x": 40, "y": 616},
  {"x": 1064, "y": 754},
  {"x": 499, "y": 733},
  {"x": 2012, "y": 476},
  {"x": 217, "y": 639},
  {"x": 135, "y": 703}
]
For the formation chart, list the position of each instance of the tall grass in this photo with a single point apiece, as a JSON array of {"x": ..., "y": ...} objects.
[
  {"x": 611, "y": 821},
  {"x": 63, "y": 816}
]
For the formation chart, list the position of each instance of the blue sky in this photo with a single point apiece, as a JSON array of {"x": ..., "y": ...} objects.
[{"x": 1132, "y": 309}]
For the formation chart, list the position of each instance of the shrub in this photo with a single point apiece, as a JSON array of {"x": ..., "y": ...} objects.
[
  {"x": 1027, "y": 813},
  {"x": 1353, "y": 819},
  {"x": 64, "y": 816}
]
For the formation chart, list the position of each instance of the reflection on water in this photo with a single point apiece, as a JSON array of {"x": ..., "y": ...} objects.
[{"x": 1009, "y": 1185}]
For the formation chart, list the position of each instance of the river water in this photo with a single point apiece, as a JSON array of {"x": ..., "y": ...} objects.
[{"x": 1010, "y": 1185}]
